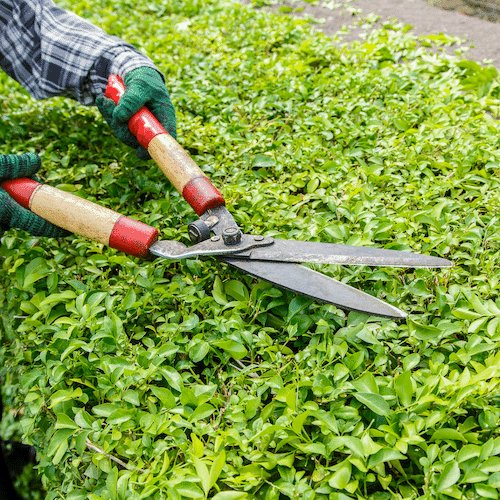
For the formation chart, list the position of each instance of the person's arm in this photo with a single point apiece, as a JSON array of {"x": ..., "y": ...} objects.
[{"x": 52, "y": 52}]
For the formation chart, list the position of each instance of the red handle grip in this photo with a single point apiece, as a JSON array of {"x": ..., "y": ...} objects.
[
  {"x": 83, "y": 217},
  {"x": 143, "y": 125},
  {"x": 175, "y": 163},
  {"x": 21, "y": 190}
]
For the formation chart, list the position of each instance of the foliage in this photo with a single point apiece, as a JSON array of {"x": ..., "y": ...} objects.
[{"x": 151, "y": 379}]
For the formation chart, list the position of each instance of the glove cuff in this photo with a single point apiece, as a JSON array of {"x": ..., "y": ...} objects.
[
  {"x": 127, "y": 61},
  {"x": 118, "y": 60}
]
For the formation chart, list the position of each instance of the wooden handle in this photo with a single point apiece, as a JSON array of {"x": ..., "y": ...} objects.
[
  {"x": 174, "y": 162},
  {"x": 83, "y": 217}
]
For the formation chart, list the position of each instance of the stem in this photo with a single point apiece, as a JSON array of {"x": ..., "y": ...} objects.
[{"x": 120, "y": 462}]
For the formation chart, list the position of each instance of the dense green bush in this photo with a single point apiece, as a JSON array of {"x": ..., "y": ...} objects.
[{"x": 150, "y": 379}]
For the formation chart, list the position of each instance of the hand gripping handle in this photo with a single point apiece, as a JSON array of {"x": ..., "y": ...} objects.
[
  {"x": 83, "y": 217},
  {"x": 175, "y": 163}
]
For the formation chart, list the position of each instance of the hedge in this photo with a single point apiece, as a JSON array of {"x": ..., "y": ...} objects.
[{"x": 150, "y": 379}]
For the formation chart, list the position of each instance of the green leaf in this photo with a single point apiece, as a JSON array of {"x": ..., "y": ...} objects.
[
  {"x": 217, "y": 467},
  {"x": 188, "y": 490},
  {"x": 287, "y": 395},
  {"x": 462, "y": 313},
  {"x": 106, "y": 409},
  {"x": 57, "y": 298},
  {"x": 132, "y": 397},
  {"x": 411, "y": 361},
  {"x": 236, "y": 290},
  {"x": 197, "y": 446},
  {"x": 447, "y": 434},
  {"x": 263, "y": 161},
  {"x": 173, "y": 377},
  {"x": 313, "y": 449},
  {"x": 165, "y": 396},
  {"x": 424, "y": 332},
  {"x": 449, "y": 476},
  {"x": 199, "y": 350},
  {"x": 65, "y": 422},
  {"x": 120, "y": 416},
  {"x": 486, "y": 491},
  {"x": 218, "y": 292},
  {"x": 64, "y": 395},
  {"x": 235, "y": 349},
  {"x": 112, "y": 482},
  {"x": 35, "y": 271},
  {"x": 366, "y": 383},
  {"x": 404, "y": 388},
  {"x": 130, "y": 299},
  {"x": 385, "y": 455},
  {"x": 58, "y": 445},
  {"x": 202, "y": 411},
  {"x": 203, "y": 474},
  {"x": 374, "y": 402},
  {"x": 230, "y": 495},
  {"x": 467, "y": 452},
  {"x": 341, "y": 477}
]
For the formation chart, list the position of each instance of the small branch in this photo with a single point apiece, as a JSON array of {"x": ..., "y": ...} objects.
[
  {"x": 244, "y": 367},
  {"x": 121, "y": 463}
]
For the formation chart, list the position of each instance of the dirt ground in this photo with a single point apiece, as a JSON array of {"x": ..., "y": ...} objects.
[
  {"x": 483, "y": 37},
  {"x": 485, "y": 9}
]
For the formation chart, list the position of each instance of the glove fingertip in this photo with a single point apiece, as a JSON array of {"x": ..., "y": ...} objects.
[
  {"x": 32, "y": 160},
  {"x": 166, "y": 117},
  {"x": 52, "y": 231},
  {"x": 172, "y": 131},
  {"x": 126, "y": 108},
  {"x": 122, "y": 132},
  {"x": 106, "y": 106}
]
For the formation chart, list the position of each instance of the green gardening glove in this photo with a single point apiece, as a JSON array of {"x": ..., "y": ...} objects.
[
  {"x": 144, "y": 87},
  {"x": 11, "y": 213}
]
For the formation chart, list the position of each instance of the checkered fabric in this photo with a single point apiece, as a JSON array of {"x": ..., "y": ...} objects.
[{"x": 52, "y": 52}]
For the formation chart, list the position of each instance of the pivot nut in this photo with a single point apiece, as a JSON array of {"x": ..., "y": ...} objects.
[{"x": 231, "y": 235}]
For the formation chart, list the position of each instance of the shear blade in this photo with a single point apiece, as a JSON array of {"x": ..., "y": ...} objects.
[
  {"x": 301, "y": 251},
  {"x": 331, "y": 253},
  {"x": 308, "y": 282}
]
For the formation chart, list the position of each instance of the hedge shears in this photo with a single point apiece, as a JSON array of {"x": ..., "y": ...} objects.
[{"x": 215, "y": 233}]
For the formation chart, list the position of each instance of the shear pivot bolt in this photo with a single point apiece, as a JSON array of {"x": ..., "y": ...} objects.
[
  {"x": 231, "y": 235},
  {"x": 198, "y": 231}
]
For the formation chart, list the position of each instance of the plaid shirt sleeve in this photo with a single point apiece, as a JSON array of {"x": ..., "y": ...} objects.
[{"x": 52, "y": 52}]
